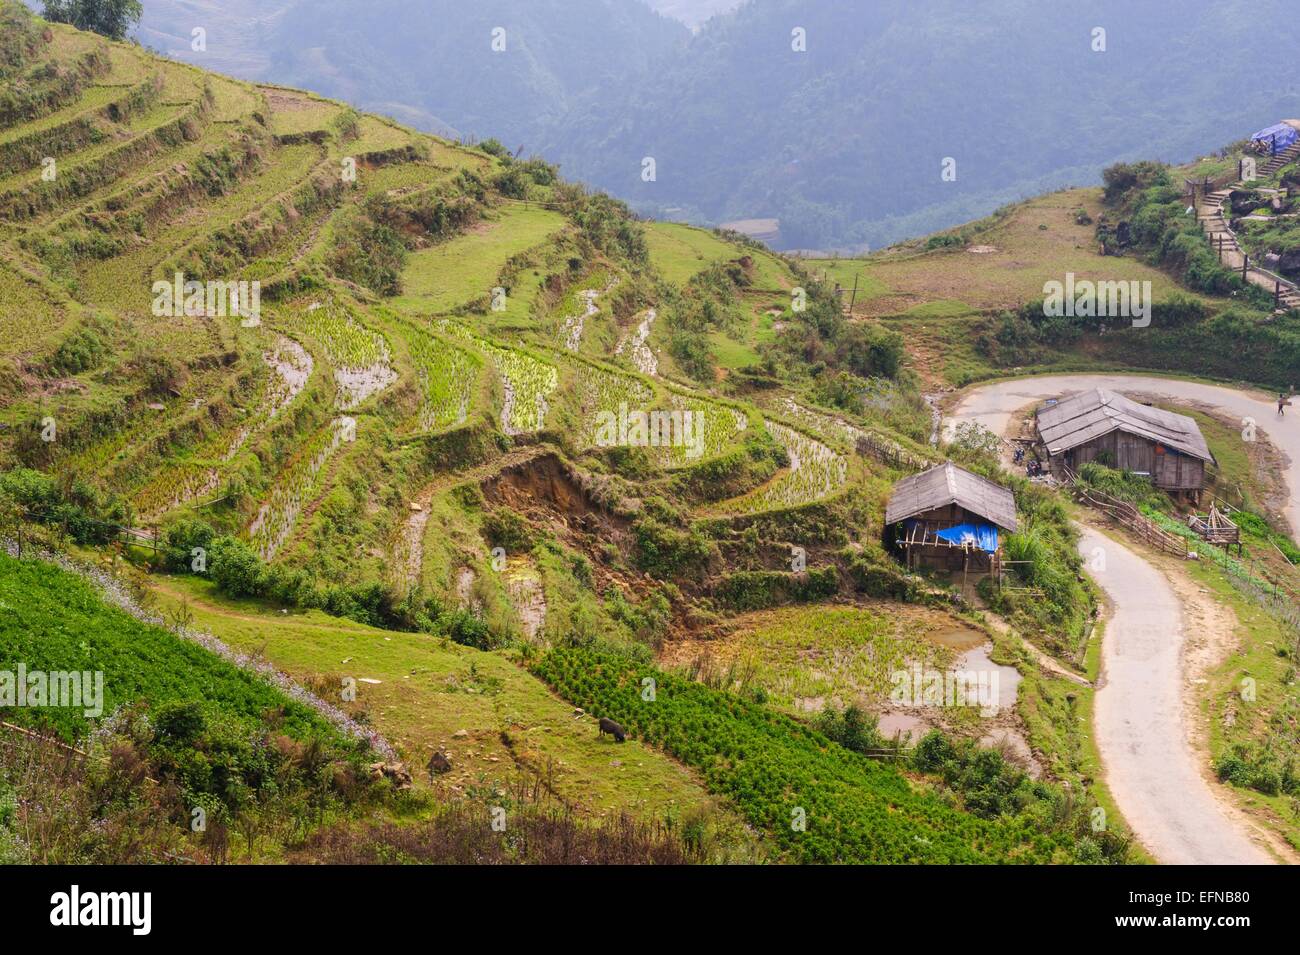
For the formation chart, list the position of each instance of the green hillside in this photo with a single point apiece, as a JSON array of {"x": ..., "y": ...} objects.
[{"x": 366, "y": 403}]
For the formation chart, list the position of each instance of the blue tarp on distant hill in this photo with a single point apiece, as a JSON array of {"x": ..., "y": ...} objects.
[
  {"x": 983, "y": 536},
  {"x": 1281, "y": 136}
]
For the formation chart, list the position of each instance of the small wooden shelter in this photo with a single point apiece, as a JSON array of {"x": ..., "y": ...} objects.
[
  {"x": 1216, "y": 528},
  {"x": 1100, "y": 425},
  {"x": 947, "y": 518}
]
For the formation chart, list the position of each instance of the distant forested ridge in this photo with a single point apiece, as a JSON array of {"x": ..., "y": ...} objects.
[{"x": 843, "y": 143}]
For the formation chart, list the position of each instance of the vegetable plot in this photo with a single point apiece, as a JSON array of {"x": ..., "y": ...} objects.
[{"x": 815, "y": 800}]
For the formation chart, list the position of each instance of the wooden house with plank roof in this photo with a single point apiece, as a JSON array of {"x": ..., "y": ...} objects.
[
  {"x": 1100, "y": 425},
  {"x": 948, "y": 518}
]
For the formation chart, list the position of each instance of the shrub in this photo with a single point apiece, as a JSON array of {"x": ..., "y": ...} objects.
[
  {"x": 181, "y": 540},
  {"x": 851, "y": 728},
  {"x": 758, "y": 589},
  {"x": 235, "y": 568}
]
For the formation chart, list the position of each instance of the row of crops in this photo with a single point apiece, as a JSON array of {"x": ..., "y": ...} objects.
[
  {"x": 815, "y": 472},
  {"x": 723, "y": 426},
  {"x": 58, "y": 621},
  {"x": 290, "y": 367},
  {"x": 528, "y": 382},
  {"x": 816, "y": 801},
  {"x": 358, "y": 355},
  {"x": 833, "y": 428},
  {"x": 825, "y": 425},
  {"x": 446, "y": 376},
  {"x": 601, "y": 391},
  {"x": 296, "y": 486}
]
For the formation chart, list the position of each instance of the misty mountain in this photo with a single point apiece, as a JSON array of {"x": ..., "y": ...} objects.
[
  {"x": 693, "y": 12},
  {"x": 843, "y": 142},
  {"x": 488, "y": 68}
]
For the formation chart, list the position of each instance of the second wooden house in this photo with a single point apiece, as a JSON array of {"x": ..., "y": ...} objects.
[{"x": 1102, "y": 426}]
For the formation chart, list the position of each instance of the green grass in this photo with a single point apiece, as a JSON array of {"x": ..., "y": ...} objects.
[
  {"x": 1025, "y": 258},
  {"x": 846, "y": 272},
  {"x": 465, "y": 269},
  {"x": 231, "y": 100},
  {"x": 430, "y": 689},
  {"x": 731, "y": 353},
  {"x": 682, "y": 251},
  {"x": 296, "y": 113},
  {"x": 1267, "y": 723},
  {"x": 376, "y": 135},
  {"x": 808, "y": 657}
]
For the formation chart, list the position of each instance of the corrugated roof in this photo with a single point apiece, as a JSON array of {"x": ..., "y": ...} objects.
[
  {"x": 1091, "y": 414},
  {"x": 948, "y": 484}
]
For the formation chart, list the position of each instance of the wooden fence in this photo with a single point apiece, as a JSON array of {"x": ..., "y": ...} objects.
[
  {"x": 1124, "y": 513},
  {"x": 892, "y": 454}
]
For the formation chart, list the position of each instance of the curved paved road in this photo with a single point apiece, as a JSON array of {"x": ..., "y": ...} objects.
[
  {"x": 1139, "y": 720},
  {"x": 993, "y": 404},
  {"x": 1139, "y": 716}
]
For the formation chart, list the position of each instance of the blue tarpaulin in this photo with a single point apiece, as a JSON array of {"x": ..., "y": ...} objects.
[
  {"x": 1280, "y": 136},
  {"x": 983, "y": 536}
]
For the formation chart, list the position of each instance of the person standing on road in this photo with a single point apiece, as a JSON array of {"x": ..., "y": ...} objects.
[{"x": 1282, "y": 402}]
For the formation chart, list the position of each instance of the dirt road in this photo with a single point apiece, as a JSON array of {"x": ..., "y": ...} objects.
[{"x": 1141, "y": 714}]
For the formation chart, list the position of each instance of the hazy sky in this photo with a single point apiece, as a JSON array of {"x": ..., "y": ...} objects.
[{"x": 693, "y": 12}]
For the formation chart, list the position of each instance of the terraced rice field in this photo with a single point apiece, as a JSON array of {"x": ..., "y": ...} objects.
[
  {"x": 401, "y": 179},
  {"x": 232, "y": 100},
  {"x": 294, "y": 113},
  {"x": 601, "y": 390},
  {"x": 23, "y": 329},
  {"x": 290, "y": 368},
  {"x": 358, "y": 355},
  {"x": 528, "y": 382},
  {"x": 815, "y": 472},
  {"x": 125, "y": 280},
  {"x": 375, "y": 135},
  {"x": 723, "y": 426},
  {"x": 826, "y": 426},
  {"x": 296, "y": 487},
  {"x": 636, "y": 345},
  {"x": 579, "y": 306},
  {"x": 448, "y": 377},
  {"x": 464, "y": 269}
]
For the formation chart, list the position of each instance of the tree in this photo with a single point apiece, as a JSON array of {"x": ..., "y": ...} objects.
[{"x": 110, "y": 18}]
